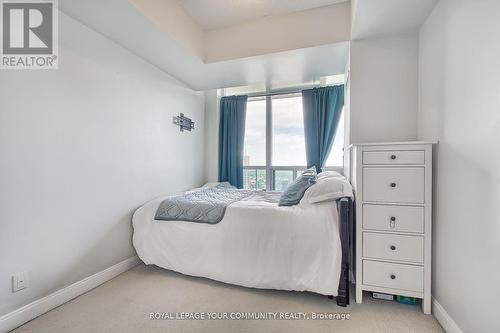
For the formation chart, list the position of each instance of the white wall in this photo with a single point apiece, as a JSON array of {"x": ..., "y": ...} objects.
[
  {"x": 347, "y": 121},
  {"x": 383, "y": 89},
  {"x": 81, "y": 147},
  {"x": 211, "y": 136},
  {"x": 459, "y": 104}
]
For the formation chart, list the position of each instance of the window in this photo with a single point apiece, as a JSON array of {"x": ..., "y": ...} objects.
[
  {"x": 281, "y": 179},
  {"x": 289, "y": 147},
  {"x": 254, "y": 179},
  {"x": 274, "y": 148},
  {"x": 254, "y": 152}
]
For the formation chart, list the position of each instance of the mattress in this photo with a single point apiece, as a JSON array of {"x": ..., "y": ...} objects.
[{"x": 257, "y": 244}]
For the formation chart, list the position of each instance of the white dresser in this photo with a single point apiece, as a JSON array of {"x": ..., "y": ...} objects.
[{"x": 393, "y": 188}]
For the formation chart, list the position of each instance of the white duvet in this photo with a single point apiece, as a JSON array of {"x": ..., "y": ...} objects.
[{"x": 257, "y": 244}]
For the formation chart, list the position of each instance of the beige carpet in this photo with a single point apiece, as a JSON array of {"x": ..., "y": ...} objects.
[{"x": 124, "y": 304}]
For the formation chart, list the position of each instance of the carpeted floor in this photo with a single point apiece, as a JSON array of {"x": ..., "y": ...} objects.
[{"x": 125, "y": 303}]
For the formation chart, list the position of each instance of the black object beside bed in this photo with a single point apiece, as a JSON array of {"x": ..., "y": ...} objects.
[{"x": 346, "y": 218}]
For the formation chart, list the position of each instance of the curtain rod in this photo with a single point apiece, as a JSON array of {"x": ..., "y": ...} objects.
[{"x": 287, "y": 92}]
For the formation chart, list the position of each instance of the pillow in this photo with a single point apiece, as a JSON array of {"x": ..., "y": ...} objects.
[
  {"x": 213, "y": 184},
  {"x": 328, "y": 189},
  {"x": 218, "y": 184},
  {"x": 295, "y": 191},
  {"x": 210, "y": 185},
  {"x": 328, "y": 174},
  {"x": 225, "y": 185}
]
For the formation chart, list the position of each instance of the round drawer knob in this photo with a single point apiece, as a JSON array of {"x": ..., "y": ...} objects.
[
  {"x": 393, "y": 247},
  {"x": 393, "y": 184},
  {"x": 393, "y": 276},
  {"x": 393, "y": 157},
  {"x": 393, "y": 218}
]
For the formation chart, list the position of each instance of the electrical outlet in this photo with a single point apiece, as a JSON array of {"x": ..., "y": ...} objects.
[{"x": 19, "y": 281}]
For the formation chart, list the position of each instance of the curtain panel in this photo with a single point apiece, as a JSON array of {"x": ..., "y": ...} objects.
[
  {"x": 322, "y": 108},
  {"x": 231, "y": 139}
]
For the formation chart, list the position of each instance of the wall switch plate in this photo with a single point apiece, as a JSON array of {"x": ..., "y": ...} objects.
[{"x": 19, "y": 281}]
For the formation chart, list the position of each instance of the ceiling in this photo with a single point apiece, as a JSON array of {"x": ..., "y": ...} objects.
[
  {"x": 210, "y": 14},
  {"x": 136, "y": 33},
  {"x": 382, "y": 18}
]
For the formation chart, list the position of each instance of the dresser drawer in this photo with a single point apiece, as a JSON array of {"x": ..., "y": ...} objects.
[
  {"x": 393, "y": 184},
  {"x": 393, "y": 247},
  {"x": 393, "y": 218},
  {"x": 394, "y": 157},
  {"x": 395, "y": 276}
]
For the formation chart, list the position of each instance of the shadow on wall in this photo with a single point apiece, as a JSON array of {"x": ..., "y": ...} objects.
[{"x": 465, "y": 199}]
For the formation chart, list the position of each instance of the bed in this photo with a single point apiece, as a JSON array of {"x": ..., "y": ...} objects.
[{"x": 257, "y": 244}]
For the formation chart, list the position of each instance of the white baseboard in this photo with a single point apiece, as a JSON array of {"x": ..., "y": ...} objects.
[
  {"x": 449, "y": 325},
  {"x": 36, "y": 308}
]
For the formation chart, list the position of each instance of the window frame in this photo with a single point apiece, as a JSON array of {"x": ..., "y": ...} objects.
[
  {"x": 269, "y": 142},
  {"x": 295, "y": 169}
]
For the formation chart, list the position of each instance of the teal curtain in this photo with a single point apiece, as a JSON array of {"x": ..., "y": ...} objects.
[
  {"x": 231, "y": 135},
  {"x": 322, "y": 108}
]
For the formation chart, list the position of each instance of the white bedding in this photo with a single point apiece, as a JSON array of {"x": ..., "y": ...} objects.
[{"x": 257, "y": 244}]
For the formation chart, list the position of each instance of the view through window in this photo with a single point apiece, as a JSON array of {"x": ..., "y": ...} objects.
[
  {"x": 285, "y": 140},
  {"x": 254, "y": 151}
]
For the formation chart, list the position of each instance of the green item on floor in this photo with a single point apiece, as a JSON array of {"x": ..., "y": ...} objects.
[{"x": 406, "y": 300}]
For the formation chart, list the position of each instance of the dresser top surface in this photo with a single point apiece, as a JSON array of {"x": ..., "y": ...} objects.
[{"x": 394, "y": 143}]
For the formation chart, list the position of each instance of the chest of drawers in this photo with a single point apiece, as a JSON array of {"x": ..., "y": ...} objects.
[{"x": 393, "y": 189}]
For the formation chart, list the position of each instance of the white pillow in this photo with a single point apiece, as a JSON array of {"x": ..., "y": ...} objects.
[
  {"x": 211, "y": 184},
  {"x": 328, "y": 189},
  {"x": 328, "y": 174}
]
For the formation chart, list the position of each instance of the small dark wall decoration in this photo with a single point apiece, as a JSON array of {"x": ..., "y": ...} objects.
[{"x": 184, "y": 123}]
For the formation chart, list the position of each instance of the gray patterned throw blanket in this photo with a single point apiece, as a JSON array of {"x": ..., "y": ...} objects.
[{"x": 206, "y": 205}]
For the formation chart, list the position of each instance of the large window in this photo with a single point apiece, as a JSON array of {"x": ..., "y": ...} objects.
[
  {"x": 289, "y": 147},
  {"x": 274, "y": 152},
  {"x": 254, "y": 152},
  {"x": 255, "y": 133}
]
